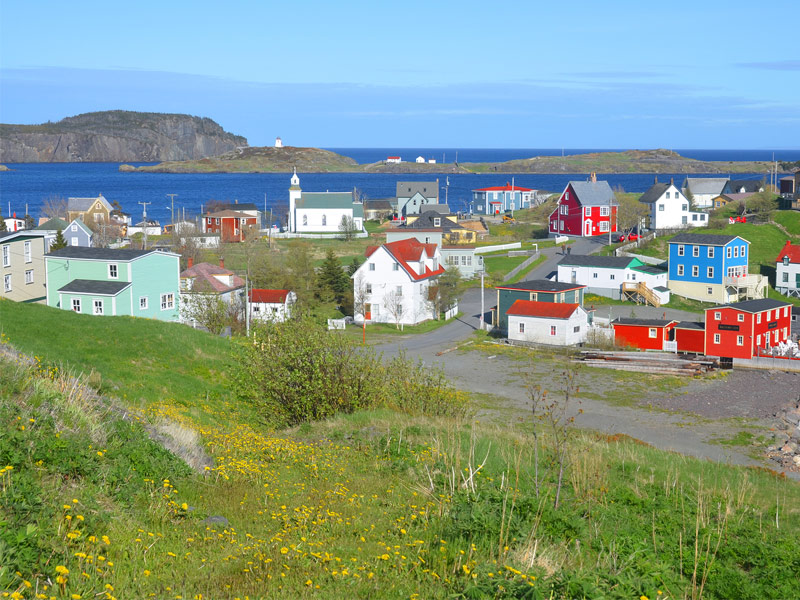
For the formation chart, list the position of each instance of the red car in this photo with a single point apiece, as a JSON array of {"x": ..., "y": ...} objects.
[{"x": 632, "y": 237}]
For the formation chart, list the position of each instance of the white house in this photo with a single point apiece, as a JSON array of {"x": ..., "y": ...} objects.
[
  {"x": 549, "y": 323},
  {"x": 787, "y": 273},
  {"x": 420, "y": 159},
  {"x": 393, "y": 159},
  {"x": 278, "y": 142},
  {"x": 14, "y": 224},
  {"x": 669, "y": 208},
  {"x": 322, "y": 212},
  {"x": 704, "y": 189},
  {"x": 204, "y": 280},
  {"x": 151, "y": 227},
  {"x": 392, "y": 283},
  {"x": 270, "y": 305},
  {"x": 606, "y": 275}
]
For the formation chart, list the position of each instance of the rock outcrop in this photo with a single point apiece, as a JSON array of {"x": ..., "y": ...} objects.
[{"x": 117, "y": 136}]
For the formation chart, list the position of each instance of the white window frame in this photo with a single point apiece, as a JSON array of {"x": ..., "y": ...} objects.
[
  {"x": 587, "y": 211},
  {"x": 522, "y": 327},
  {"x": 76, "y": 305},
  {"x": 710, "y": 272},
  {"x": 681, "y": 249},
  {"x": 603, "y": 225},
  {"x": 742, "y": 250},
  {"x": 716, "y": 338},
  {"x": 729, "y": 253},
  {"x": 604, "y": 211},
  {"x": 29, "y": 276},
  {"x": 736, "y": 252},
  {"x": 371, "y": 267},
  {"x": 7, "y": 282},
  {"x": 740, "y": 317},
  {"x": 695, "y": 271},
  {"x": 27, "y": 251},
  {"x": 143, "y": 302},
  {"x": 553, "y": 330},
  {"x": 6, "y": 255},
  {"x": 167, "y": 301},
  {"x": 652, "y": 333},
  {"x": 758, "y": 318},
  {"x": 711, "y": 252},
  {"x": 740, "y": 340},
  {"x": 97, "y": 303},
  {"x": 718, "y": 316},
  {"x": 696, "y": 251},
  {"x": 113, "y": 271},
  {"x": 680, "y": 270}
]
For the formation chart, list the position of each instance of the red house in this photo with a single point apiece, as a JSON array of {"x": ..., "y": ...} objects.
[
  {"x": 231, "y": 225},
  {"x": 585, "y": 209},
  {"x": 739, "y": 330},
  {"x": 645, "y": 334},
  {"x": 690, "y": 337}
]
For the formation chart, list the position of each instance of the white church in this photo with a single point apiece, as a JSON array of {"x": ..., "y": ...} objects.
[{"x": 321, "y": 212}]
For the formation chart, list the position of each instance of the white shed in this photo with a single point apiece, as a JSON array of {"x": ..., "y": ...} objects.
[{"x": 550, "y": 323}]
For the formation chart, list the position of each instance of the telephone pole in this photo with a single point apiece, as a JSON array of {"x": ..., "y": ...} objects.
[
  {"x": 144, "y": 223},
  {"x": 172, "y": 196}
]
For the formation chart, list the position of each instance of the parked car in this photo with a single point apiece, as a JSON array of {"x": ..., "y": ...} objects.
[{"x": 632, "y": 237}]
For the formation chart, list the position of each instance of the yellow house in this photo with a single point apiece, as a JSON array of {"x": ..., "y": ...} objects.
[
  {"x": 453, "y": 234},
  {"x": 22, "y": 265},
  {"x": 89, "y": 210}
]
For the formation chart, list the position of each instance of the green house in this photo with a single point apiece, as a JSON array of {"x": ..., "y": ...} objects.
[
  {"x": 538, "y": 290},
  {"x": 103, "y": 281}
]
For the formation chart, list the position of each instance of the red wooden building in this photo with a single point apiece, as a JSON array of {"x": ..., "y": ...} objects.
[
  {"x": 645, "y": 334},
  {"x": 585, "y": 209},
  {"x": 690, "y": 337},
  {"x": 739, "y": 330},
  {"x": 230, "y": 225}
]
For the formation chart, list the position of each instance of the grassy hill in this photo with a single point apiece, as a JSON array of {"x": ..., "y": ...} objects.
[{"x": 377, "y": 503}]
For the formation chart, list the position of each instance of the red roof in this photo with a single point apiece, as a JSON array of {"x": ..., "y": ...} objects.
[
  {"x": 370, "y": 250},
  {"x": 547, "y": 310},
  {"x": 268, "y": 296},
  {"x": 388, "y": 157},
  {"x": 411, "y": 250},
  {"x": 790, "y": 250},
  {"x": 504, "y": 188}
]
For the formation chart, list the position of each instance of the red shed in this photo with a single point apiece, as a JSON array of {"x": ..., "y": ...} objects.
[
  {"x": 738, "y": 330},
  {"x": 585, "y": 209},
  {"x": 690, "y": 337},
  {"x": 645, "y": 334},
  {"x": 231, "y": 225}
]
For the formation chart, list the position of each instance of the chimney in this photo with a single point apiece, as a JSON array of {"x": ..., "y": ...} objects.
[
  {"x": 655, "y": 181},
  {"x": 593, "y": 177},
  {"x": 189, "y": 263},
  {"x": 221, "y": 262},
  {"x": 672, "y": 181}
]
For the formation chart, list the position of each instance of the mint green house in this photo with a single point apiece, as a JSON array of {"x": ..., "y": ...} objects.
[{"x": 102, "y": 281}]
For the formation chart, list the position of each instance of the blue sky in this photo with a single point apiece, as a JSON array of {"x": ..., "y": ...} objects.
[{"x": 700, "y": 74}]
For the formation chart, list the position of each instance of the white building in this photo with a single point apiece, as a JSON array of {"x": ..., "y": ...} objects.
[
  {"x": 787, "y": 272},
  {"x": 394, "y": 159},
  {"x": 606, "y": 275},
  {"x": 203, "y": 282},
  {"x": 704, "y": 189},
  {"x": 322, "y": 212},
  {"x": 549, "y": 323},
  {"x": 393, "y": 282},
  {"x": 420, "y": 159},
  {"x": 270, "y": 305},
  {"x": 278, "y": 142},
  {"x": 669, "y": 208}
]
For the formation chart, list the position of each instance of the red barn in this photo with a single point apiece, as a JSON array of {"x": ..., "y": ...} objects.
[
  {"x": 585, "y": 209},
  {"x": 690, "y": 337},
  {"x": 739, "y": 330},
  {"x": 231, "y": 225},
  {"x": 645, "y": 334}
]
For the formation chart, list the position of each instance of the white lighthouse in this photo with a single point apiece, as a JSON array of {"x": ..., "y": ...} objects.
[
  {"x": 278, "y": 142},
  {"x": 294, "y": 195}
]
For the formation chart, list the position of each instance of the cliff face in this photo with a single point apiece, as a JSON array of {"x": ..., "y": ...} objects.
[{"x": 117, "y": 136}]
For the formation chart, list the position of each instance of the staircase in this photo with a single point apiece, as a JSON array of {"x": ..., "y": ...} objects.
[{"x": 639, "y": 293}]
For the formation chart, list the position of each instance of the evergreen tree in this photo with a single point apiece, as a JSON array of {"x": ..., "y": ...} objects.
[
  {"x": 3, "y": 223},
  {"x": 29, "y": 222},
  {"x": 354, "y": 266},
  {"x": 59, "y": 242},
  {"x": 332, "y": 277}
]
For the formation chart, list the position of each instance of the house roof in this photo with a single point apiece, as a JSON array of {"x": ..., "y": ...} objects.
[
  {"x": 428, "y": 189},
  {"x": 239, "y": 206},
  {"x": 650, "y": 270},
  {"x": 330, "y": 200},
  {"x": 84, "y": 204},
  {"x": 504, "y": 188},
  {"x": 81, "y": 225},
  {"x": 705, "y": 185},
  {"x": 378, "y": 205},
  {"x": 227, "y": 213},
  {"x": 593, "y": 193},
  {"x": 53, "y": 224},
  {"x": 694, "y": 325},
  {"x": 654, "y": 193},
  {"x": 704, "y": 239},
  {"x": 92, "y": 286},
  {"x": 426, "y": 221},
  {"x": 442, "y": 209},
  {"x": 541, "y": 285},
  {"x": 543, "y": 310},
  {"x": 790, "y": 250},
  {"x": 411, "y": 250},
  {"x": 204, "y": 280},
  {"x": 268, "y": 296},
  {"x": 737, "y": 186},
  {"x": 643, "y": 322},
  {"x": 593, "y": 260},
  {"x": 22, "y": 233},
  {"x": 78, "y": 252},
  {"x": 753, "y": 306}
]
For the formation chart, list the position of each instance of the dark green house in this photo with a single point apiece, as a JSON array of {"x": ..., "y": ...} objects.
[{"x": 539, "y": 290}]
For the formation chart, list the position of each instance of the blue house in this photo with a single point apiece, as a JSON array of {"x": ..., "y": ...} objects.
[
  {"x": 498, "y": 199},
  {"x": 712, "y": 268},
  {"x": 78, "y": 234}
]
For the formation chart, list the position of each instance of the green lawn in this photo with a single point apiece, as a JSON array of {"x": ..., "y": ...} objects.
[{"x": 790, "y": 219}]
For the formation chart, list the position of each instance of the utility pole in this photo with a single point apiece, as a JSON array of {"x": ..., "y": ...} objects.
[
  {"x": 144, "y": 223},
  {"x": 172, "y": 196},
  {"x": 270, "y": 228},
  {"x": 247, "y": 303},
  {"x": 483, "y": 272}
]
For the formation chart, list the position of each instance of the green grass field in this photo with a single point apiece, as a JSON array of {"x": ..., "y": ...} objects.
[{"x": 377, "y": 503}]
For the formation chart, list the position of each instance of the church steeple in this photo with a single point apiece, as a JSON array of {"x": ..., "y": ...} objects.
[
  {"x": 295, "y": 181},
  {"x": 295, "y": 194}
]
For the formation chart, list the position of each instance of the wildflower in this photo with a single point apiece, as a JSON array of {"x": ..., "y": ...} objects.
[
  {"x": 146, "y": 573},
  {"x": 284, "y": 550},
  {"x": 106, "y": 541},
  {"x": 76, "y": 597},
  {"x": 643, "y": 597}
]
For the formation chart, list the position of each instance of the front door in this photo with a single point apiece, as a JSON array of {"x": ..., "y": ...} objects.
[
  {"x": 574, "y": 277},
  {"x": 368, "y": 311},
  {"x": 587, "y": 228}
]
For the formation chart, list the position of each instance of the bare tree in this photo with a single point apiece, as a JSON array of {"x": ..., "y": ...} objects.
[
  {"x": 393, "y": 302},
  {"x": 210, "y": 311},
  {"x": 360, "y": 297},
  {"x": 630, "y": 212},
  {"x": 104, "y": 234},
  {"x": 54, "y": 207},
  {"x": 348, "y": 227}
]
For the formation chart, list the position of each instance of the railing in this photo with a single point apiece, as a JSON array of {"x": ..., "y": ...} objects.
[{"x": 640, "y": 289}]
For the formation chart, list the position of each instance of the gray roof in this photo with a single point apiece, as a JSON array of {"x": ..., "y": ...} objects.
[
  {"x": 737, "y": 186},
  {"x": 79, "y": 252},
  {"x": 651, "y": 269},
  {"x": 690, "y": 325},
  {"x": 378, "y": 205},
  {"x": 541, "y": 285},
  {"x": 442, "y": 209},
  {"x": 239, "y": 206},
  {"x": 705, "y": 185},
  {"x": 82, "y": 226},
  {"x": 22, "y": 233},
  {"x": 661, "y": 288},
  {"x": 92, "y": 286},
  {"x": 425, "y": 221},
  {"x": 704, "y": 239},
  {"x": 643, "y": 322},
  {"x": 754, "y": 306},
  {"x": 84, "y": 204},
  {"x": 53, "y": 224},
  {"x": 654, "y": 193},
  {"x": 330, "y": 200},
  {"x": 428, "y": 189},
  {"x": 593, "y": 193},
  {"x": 585, "y": 260}
]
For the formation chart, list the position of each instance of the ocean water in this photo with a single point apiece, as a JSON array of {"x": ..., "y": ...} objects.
[{"x": 27, "y": 186}]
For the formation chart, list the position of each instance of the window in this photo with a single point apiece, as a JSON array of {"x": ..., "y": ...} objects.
[
  {"x": 716, "y": 338},
  {"x": 695, "y": 251},
  {"x": 167, "y": 301},
  {"x": 594, "y": 275},
  {"x": 98, "y": 307},
  {"x": 74, "y": 227},
  {"x": 667, "y": 197},
  {"x": 324, "y": 220},
  {"x": 717, "y": 316},
  {"x": 395, "y": 267},
  {"x": 371, "y": 266},
  {"x": 368, "y": 288},
  {"x": 740, "y": 340},
  {"x": 112, "y": 271},
  {"x": 576, "y": 329},
  {"x": 758, "y": 318},
  {"x": 702, "y": 216},
  {"x": 604, "y": 211},
  {"x": 710, "y": 272},
  {"x": 684, "y": 208},
  {"x": 437, "y": 221},
  {"x": 653, "y": 332},
  {"x": 660, "y": 208},
  {"x": 305, "y": 219},
  {"x": 76, "y": 305},
  {"x": 711, "y": 252},
  {"x": 399, "y": 290},
  {"x": 736, "y": 252},
  {"x": 469, "y": 261},
  {"x": 142, "y": 302},
  {"x": 740, "y": 318},
  {"x": 553, "y": 330},
  {"x": 680, "y": 270},
  {"x": 29, "y": 276},
  {"x": 612, "y": 276},
  {"x": 522, "y": 327},
  {"x": 695, "y": 271},
  {"x": 729, "y": 253},
  {"x": 694, "y": 217},
  {"x": 565, "y": 210},
  {"x": 73, "y": 241},
  {"x": 785, "y": 311},
  {"x": 710, "y": 291},
  {"x": 6, "y": 256},
  {"x": 785, "y": 277},
  {"x": 758, "y": 340},
  {"x": 27, "y": 251},
  {"x": 7, "y": 282},
  {"x": 604, "y": 226},
  {"x": 742, "y": 251},
  {"x": 680, "y": 250},
  {"x": 463, "y": 261}
]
